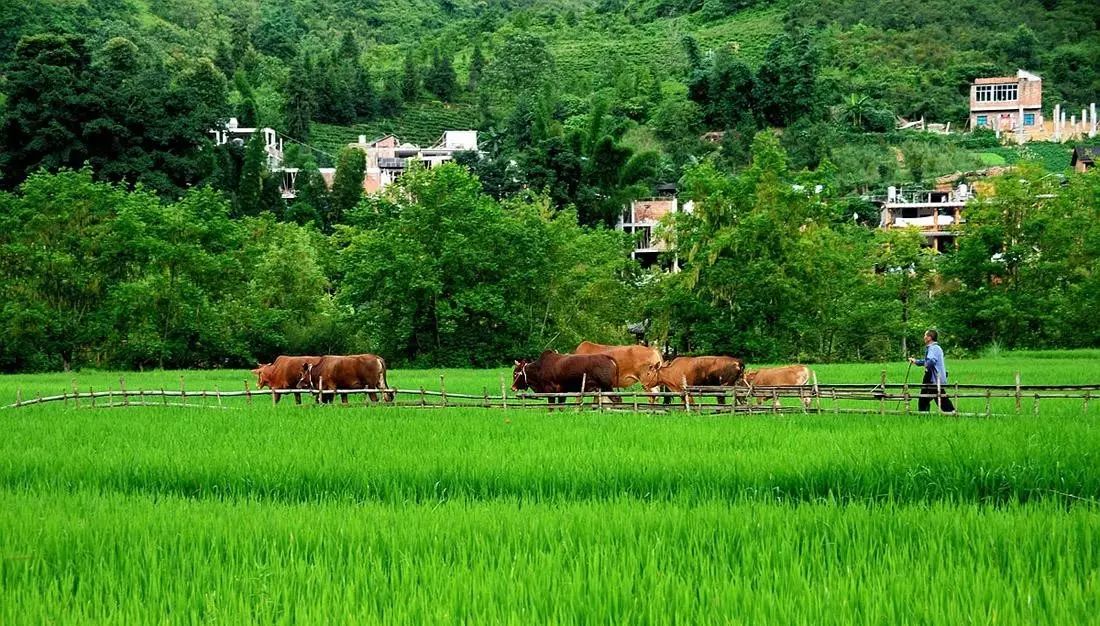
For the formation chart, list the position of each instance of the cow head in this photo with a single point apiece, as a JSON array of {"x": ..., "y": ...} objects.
[
  {"x": 520, "y": 377},
  {"x": 651, "y": 376},
  {"x": 750, "y": 377},
  {"x": 263, "y": 375}
]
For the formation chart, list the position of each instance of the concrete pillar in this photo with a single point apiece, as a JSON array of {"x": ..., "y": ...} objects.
[
  {"x": 1073, "y": 126},
  {"x": 1020, "y": 137},
  {"x": 1092, "y": 116},
  {"x": 1057, "y": 119}
]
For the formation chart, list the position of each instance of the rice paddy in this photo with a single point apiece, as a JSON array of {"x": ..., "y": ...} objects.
[{"x": 285, "y": 514}]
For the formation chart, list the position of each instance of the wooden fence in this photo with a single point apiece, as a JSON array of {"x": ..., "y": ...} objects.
[{"x": 881, "y": 398}]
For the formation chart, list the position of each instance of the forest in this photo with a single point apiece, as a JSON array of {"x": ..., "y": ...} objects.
[{"x": 129, "y": 240}]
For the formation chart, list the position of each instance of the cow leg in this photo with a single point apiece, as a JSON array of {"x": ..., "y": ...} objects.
[
  {"x": 373, "y": 397},
  {"x": 298, "y": 398},
  {"x": 277, "y": 396},
  {"x": 343, "y": 398},
  {"x": 721, "y": 399}
]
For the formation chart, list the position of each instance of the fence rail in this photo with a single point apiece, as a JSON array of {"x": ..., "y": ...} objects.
[{"x": 882, "y": 398}]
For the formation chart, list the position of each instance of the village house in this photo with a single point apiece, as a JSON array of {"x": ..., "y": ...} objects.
[
  {"x": 387, "y": 157},
  {"x": 641, "y": 219},
  {"x": 1012, "y": 107},
  {"x": 936, "y": 212}
]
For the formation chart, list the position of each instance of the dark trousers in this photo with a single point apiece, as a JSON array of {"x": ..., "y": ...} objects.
[{"x": 928, "y": 392}]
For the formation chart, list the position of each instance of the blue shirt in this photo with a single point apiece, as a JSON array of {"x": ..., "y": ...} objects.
[{"x": 933, "y": 362}]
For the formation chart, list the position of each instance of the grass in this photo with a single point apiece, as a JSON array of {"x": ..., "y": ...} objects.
[{"x": 400, "y": 515}]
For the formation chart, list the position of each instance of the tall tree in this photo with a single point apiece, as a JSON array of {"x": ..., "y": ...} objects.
[
  {"x": 440, "y": 78},
  {"x": 299, "y": 102},
  {"x": 410, "y": 79},
  {"x": 477, "y": 67},
  {"x": 250, "y": 187},
  {"x": 347, "y": 184},
  {"x": 786, "y": 81}
]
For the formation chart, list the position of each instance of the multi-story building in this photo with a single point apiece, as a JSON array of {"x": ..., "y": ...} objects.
[
  {"x": 387, "y": 157},
  {"x": 1008, "y": 104},
  {"x": 936, "y": 212},
  {"x": 641, "y": 218}
]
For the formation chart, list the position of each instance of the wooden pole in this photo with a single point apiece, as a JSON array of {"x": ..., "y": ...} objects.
[
  {"x": 76, "y": 394},
  {"x": 939, "y": 409},
  {"x": 503, "y": 393},
  {"x": 956, "y": 397},
  {"x": 485, "y": 395},
  {"x": 988, "y": 402},
  {"x": 1035, "y": 406},
  {"x": 1088, "y": 395},
  {"x": 882, "y": 398},
  {"x": 122, "y": 388},
  {"x": 1017, "y": 392},
  {"x": 92, "y": 394},
  {"x": 218, "y": 395},
  {"x": 584, "y": 383},
  {"x": 906, "y": 397},
  {"x": 836, "y": 405},
  {"x": 802, "y": 398},
  {"x": 817, "y": 395},
  {"x": 164, "y": 398},
  {"x": 248, "y": 392},
  {"x": 684, "y": 392},
  {"x": 443, "y": 389},
  {"x": 423, "y": 397}
]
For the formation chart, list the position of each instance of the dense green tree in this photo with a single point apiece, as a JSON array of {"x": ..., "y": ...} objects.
[
  {"x": 253, "y": 172},
  {"x": 347, "y": 185},
  {"x": 785, "y": 83},
  {"x": 298, "y": 108},
  {"x": 522, "y": 66},
  {"x": 477, "y": 67},
  {"x": 410, "y": 78},
  {"x": 440, "y": 78}
]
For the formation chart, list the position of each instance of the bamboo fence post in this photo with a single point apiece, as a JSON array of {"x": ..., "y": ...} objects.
[
  {"x": 1035, "y": 406},
  {"x": 110, "y": 396},
  {"x": 684, "y": 393},
  {"x": 988, "y": 402},
  {"x": 599, "y": 400},
  {"x": 164, "y": 397},
  {"x": 218, "y": 395},
  {"x": 836, "y": 405},
  {"x": 882, "y": 398},
  {"x": 1088, "y": 395},
  {"x": 956, "y": 397},
  {"x": 65, "y": 398},
  {"x": 802, "y": 398},
  {"x": 122, "y": 388},
  {"x": 76, "y": 395},
  {"x": 1017, "y": 392},
  {"x": 584, "y": 383},
  {"x": 38, "y": 396},
  {"x": 776, "y": 404},
  {"x": 503, "y": 393},
  {"x": 817, "y": 395},
  {"x": 906, "y": 397},
  {"x": 485, "y": 395},
  {"x": 141, "y": 396},
  {"x": 423, "y": 397},
  {"x": 635, "y": 398},
  {"x": 443, "y": 389},
  {"x": 248, "y": 393},
  {"x": 92, "y": 394}
]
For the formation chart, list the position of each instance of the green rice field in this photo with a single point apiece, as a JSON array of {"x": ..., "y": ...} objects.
[{"x": 398, "y": 515}]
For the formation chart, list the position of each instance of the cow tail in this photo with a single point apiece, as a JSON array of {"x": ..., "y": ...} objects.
[{"x": 387, "y": 395}]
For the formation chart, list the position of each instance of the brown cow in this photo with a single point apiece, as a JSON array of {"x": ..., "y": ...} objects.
[
  {"x": 632, "y": 360},
  {"x": 564, "y": 373},
  {"x": 282, "y": 373},
  {"x": 695, "y": 371},
  {"x": 788, "y": 376},
  {"x": 357, "y": 371}
]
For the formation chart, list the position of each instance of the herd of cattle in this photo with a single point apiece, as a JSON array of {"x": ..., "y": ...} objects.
[{"x": 592, "y": 367}]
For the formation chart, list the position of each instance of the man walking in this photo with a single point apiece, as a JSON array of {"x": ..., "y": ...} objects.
[{"x": 935, "y": 375}]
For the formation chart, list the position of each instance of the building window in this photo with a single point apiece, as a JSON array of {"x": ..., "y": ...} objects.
[
  {"x": 983, "y": 121},
  {"x": 1029, "y": 119},
  {"x": 996, "y": 93}
]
